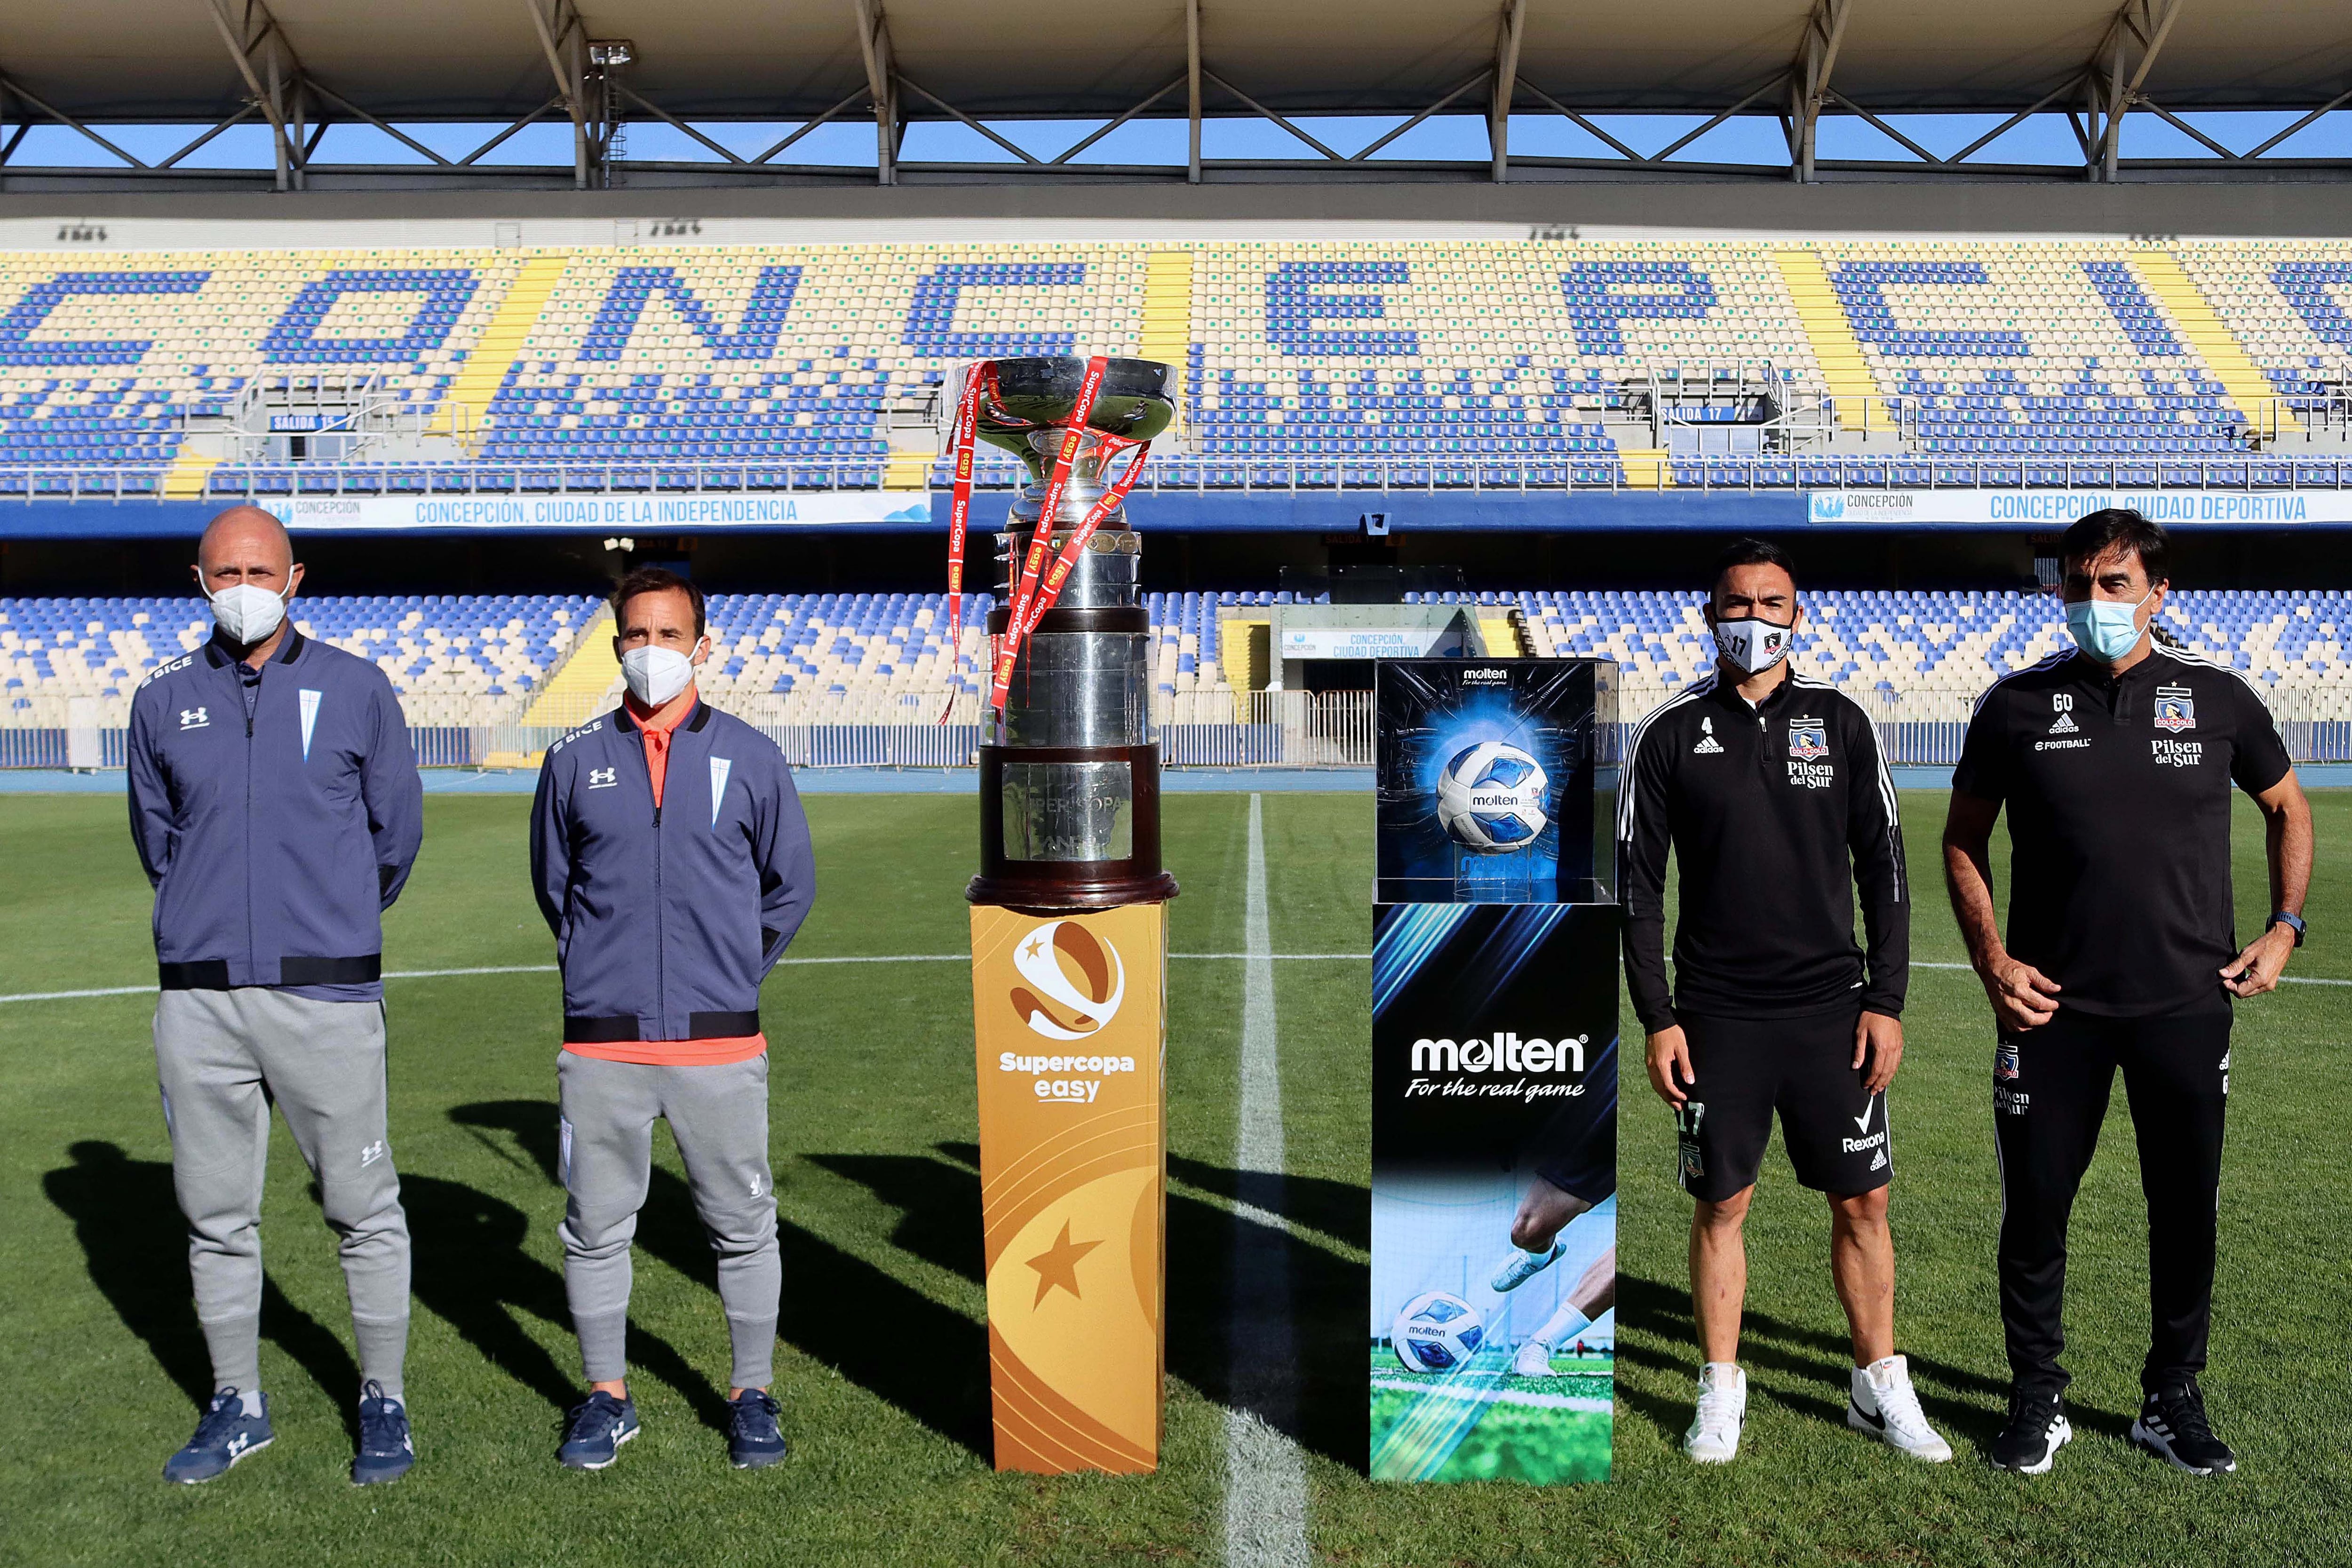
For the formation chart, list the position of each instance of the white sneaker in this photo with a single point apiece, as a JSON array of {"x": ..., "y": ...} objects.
[
  {"x": 1534, "y": 1360},
  {"x": 1884, "y": 1404},
  {"x": 1713, "y": 1437},
  {"x": 1523, "y": 1266}
]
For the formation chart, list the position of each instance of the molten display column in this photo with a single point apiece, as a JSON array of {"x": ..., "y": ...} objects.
[
  {"x": 1495, "y": 937},
  {"x": 1069, "y": 961}
]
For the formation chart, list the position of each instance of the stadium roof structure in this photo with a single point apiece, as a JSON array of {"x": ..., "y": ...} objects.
[{"x": 302, "y": 66}]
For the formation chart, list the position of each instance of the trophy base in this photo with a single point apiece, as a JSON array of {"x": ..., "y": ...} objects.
[
  {"x": 1070, "y": 895},
  {"x": 1069, "y": 827}
]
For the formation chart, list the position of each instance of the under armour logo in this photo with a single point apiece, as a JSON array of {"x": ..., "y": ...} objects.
[
  {"x": 372, "y": 1154},
  {"x": 604, "y": 778},
  {"x": 195, "y": 719}
]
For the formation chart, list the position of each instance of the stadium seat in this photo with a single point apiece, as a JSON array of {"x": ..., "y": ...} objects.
[{"x": 1426, "y": 361}]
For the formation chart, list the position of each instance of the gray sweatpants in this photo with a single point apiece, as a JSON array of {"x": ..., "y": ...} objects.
[
  {"x": 720, "y": 1117},
  {"x": 222, "y": 1058}
]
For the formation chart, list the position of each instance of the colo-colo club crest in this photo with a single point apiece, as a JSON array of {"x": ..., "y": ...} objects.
[
  {"x": 2176, "y": 708},
  {"x": 1809, "y": 740}
]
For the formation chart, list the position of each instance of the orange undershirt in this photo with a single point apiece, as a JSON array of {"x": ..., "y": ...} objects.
[{"x": 659, "y": 724}]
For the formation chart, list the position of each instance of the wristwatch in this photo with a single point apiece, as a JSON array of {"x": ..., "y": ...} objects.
[{"x": 2293, "y": 922}]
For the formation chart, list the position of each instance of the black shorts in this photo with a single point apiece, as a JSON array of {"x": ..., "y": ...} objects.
[
  {"x": 1836, "y": 1134},
  {"x": 1576, "y": 1150}
]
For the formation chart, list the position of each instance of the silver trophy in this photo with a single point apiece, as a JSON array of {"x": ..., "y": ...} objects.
[{"x": 1069, "y": 779}]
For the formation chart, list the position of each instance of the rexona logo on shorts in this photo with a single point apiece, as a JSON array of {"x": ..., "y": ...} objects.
[
  {"x": 1498, "y": 1063},
  {"x": 1073, "y": 981}
]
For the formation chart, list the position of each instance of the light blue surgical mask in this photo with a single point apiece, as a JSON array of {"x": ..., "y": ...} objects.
[{"x": 2104, "y": 629}]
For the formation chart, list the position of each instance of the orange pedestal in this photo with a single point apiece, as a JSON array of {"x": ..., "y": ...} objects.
[{"x": 1070, "y": 1016}]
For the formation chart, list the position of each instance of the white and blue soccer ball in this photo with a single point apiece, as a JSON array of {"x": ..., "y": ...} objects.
[
  {"x": 1437, "y": 1331},
  {"x": 1490, "y": 798}
]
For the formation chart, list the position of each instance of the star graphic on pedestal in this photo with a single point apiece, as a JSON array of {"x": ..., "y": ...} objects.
[
  {"x": 1035, "y": 945},
  {"x": 1058, "y": 1265}
]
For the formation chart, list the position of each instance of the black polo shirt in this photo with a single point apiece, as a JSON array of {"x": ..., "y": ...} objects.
[{"x": 2118, "y": 796}]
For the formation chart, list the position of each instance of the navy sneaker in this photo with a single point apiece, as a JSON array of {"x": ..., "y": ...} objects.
[
  {"x": 754, "y": 1440},
  {"x": 594, "y": 1431},
  {"x": 225, "y": 1435},
  {"x": 385, "y": 1452}
]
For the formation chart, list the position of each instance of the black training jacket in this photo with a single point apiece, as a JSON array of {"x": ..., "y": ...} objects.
[{"x": 1776, "y": 815}]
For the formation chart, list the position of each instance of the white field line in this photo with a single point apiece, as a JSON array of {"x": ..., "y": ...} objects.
[
  {"x": 1489, "y": 1394},
  {"x": 1266, "y": 1479},
  {"x": 549, "y": 969},
  {"x": 886, "y": 958}
]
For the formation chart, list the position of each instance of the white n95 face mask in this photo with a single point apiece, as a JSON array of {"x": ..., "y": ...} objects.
[
  {"x": 247, "y": 613},
  {"x": 1752, "y": 646},
  {"x": 656, "y": 674}
]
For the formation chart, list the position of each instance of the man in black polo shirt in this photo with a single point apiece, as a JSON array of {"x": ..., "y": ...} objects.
[
  {"x": 2115, "y": 763},
  {"x": 1773, "y": 793}
]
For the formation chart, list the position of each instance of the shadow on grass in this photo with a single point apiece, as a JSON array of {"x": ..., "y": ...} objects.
[
  {"x": 126, "y": 1216},
  {"x": 928, "y": 1360},
  {"x": 1656, "y": 1315},
  {"x": 1341, "y": 1210}
]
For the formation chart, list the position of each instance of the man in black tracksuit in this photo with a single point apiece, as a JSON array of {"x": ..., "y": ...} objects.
[
  {"x": 1774, "y": 796},
  {"x": 2115, "y": 763}
]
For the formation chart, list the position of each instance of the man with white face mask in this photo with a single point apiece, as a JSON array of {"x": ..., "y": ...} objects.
[
  {"x": 276, "y": 806},
  {"x": 1773, "y": 795},
  {"x": 672, "y": 862},
  {"x": 2116, "y": 759}
]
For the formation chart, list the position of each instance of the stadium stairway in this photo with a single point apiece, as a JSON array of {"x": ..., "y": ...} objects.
[
  {"x": 185, "y": 479},
  {"x": 581, "y": 683},
  {"x": 1835, "y": 348},
  {"x": 2194, "y": 318},
  {"x": 1647, "y": 467},
  {"x": 467, "y": 400},
  {"x": 1504, "y": 631},
  {"x": 1168, "y": 314}
]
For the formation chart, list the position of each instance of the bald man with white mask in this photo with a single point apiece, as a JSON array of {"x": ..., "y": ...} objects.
[{"x": 276, "y": 809}]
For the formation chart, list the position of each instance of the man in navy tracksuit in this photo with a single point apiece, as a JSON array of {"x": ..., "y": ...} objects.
[
  {"x": 672, "y": 862},
  {"x": 276, "y": 806}
]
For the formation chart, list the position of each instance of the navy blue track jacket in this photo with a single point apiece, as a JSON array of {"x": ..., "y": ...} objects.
[
  {"x": 667, "y": 919},
  {"x": 275, "y": 836}
]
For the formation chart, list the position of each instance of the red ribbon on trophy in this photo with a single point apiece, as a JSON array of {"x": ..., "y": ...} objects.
[
  {"x": 967, "y": 423},
  {"x": 1113, "y": 497},
  {"x": 1038, "y": 587}
]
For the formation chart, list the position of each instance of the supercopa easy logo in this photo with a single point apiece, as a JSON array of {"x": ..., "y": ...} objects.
[{"x": 1074, "y": 981}]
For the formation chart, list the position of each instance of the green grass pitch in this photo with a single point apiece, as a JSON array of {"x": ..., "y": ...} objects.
[{"x": 882, "y": 1369}]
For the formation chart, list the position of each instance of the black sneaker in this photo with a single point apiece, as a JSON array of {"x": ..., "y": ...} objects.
[
  {"x": 386, "y": 1451},
  {"x": 2173, "y": 1428},
  {"x": 2036, "y": 1430},
  {"x": 754, "y": 1441}
]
